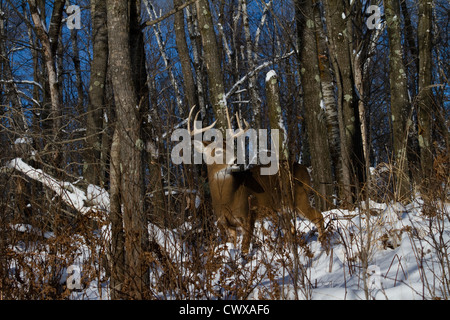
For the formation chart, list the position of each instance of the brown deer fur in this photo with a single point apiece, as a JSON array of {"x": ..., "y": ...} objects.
[{"x": 241, "y": 197}]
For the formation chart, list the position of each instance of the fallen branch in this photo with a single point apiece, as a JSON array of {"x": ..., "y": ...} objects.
[{"x": 83, "y": 202}]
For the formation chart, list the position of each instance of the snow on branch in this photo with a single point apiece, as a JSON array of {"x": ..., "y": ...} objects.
[
  {"x": 37, "y": 84},
  {"x": 95, "y": 198},
  {"x": 252, "y": 72}
]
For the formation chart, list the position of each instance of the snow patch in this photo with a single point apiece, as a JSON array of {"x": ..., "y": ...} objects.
[{"x": 270, "y": 75}]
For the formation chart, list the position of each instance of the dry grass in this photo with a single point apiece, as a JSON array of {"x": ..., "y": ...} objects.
[{"x": 188, "y": 260}]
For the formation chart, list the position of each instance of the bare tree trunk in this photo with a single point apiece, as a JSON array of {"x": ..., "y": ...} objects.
[
  {"x": 425, "y": 98},
  {"x": 359, "y": 84},
  {"x": 213, "y": 64},
  {"x": 77, "y": 66},
  {"x": 339, "y": 34},
  {"x": 158, "y": 34},
  {"x": 399, "y": 97},
  {"x": 140, "y": 75},
  {"x": 329, "y": 100},
  {"x": 255, "y": 100},
  {"x": 185, "y": 59},
  {"x": 339, "y": 54},
  {"x": 117, "y": 243},
  {"x": 195, "y": 37},
  {"x": 49, "y": 42},
  {"x": 94, "y": 168},
  {"x": 361, "y": 45},
  {"x": 275, "y": 112},
  {"x": 410, "y": 44},
  {"x": 128, "y": 131},
  {"x": 314, "y": 114}
]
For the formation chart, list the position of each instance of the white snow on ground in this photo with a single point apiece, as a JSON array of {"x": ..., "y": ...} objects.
[
  {"x": 404, "y": 259},
  {"x": 407, "y": 258},
  {"x": 379, "y": 251}
]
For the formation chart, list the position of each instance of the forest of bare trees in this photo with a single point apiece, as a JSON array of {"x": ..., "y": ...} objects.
[{"x": 91, "y": 92}]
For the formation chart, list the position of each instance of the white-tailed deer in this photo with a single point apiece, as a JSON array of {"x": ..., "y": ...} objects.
[{"x": 241, "y": 197}]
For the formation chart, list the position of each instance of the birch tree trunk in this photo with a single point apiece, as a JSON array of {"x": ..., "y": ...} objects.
[
  {"x": 339, "y": 35},
  {"x": 159, "y": 39},
  {"x": 340, "y": 60},
  {"x": 329, "y": 100},
  {"x": 314, "y": 114},
  {"x": 49, "y": 42}
]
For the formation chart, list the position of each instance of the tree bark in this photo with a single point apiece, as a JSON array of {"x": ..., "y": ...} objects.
[
  {"x": 213, "y": 64},
  {"x": 399, "y": 98},
  {"x": 425, "y": 98},
  {"x": 410, "y": 45},
  {"x": 117, "y": 243},
  {"x": 329, "y": 100},
  {"x": 185, "y": 59},
  {"x": 314, "y": 114},
  {"x": 129, "y": 162},
  {"x": 255, "y": 100},
  {"x": 339, "y": 37},
  {"x": 49, "y": 42},
  {"x": 94, "y": 168},
  {"x": 198, "y": 65},
  {"x": 140, "y": 74},
  {"x": 275, "y": 113}
]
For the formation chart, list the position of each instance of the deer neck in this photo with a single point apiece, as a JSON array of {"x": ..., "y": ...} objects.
[{"x": 222, "y": 184}]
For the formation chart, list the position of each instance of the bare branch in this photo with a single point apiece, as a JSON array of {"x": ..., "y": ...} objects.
[{"x": 167, "y": 15}]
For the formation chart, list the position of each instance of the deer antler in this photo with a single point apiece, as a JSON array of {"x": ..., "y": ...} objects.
[
  {"x": 197, "y": 130},
  {"x": 241, "y": 131}
]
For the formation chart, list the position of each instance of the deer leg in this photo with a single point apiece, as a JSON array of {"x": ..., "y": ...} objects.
[
  {"x": 223, "y": 229},
  {"x": 228, "y": 233},
  {"x": 248, "y": 230},
  {"x": 317, "y": 218},
  {"x": 304, "y": 208}
]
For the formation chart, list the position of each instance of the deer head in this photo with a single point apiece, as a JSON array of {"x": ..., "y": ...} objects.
[{"x": 219, "y": 152}]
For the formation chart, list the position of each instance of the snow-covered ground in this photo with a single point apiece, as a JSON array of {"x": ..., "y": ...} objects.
[
  {"x": 406, "y": 255},
  {"x": 395, "y": 253},
  {"x": 390, "y": 251},
  {"x": 398, "y": 253}
]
